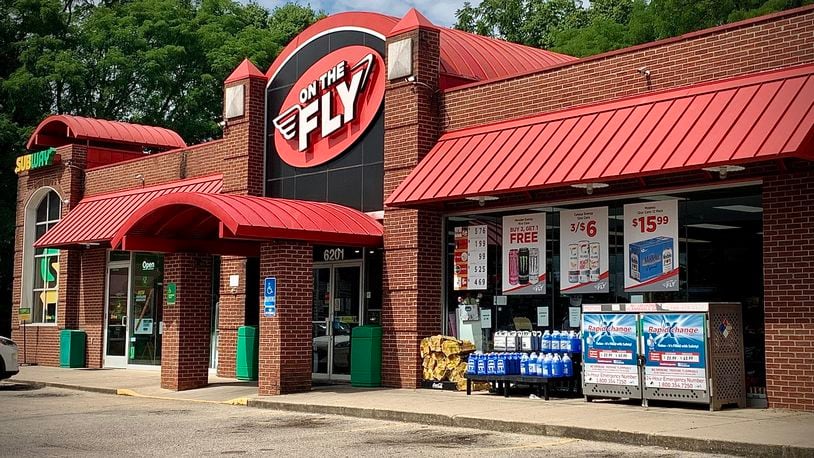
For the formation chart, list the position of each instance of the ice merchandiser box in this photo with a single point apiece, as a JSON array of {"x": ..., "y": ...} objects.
[{"x": 683, "y": 351}]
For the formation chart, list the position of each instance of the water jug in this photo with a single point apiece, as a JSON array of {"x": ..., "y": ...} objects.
[
  {"x": 555, "y": 342},
  {"x": 546, "y": 347},
  {"x": 565, "y": 342},
  {"x": 556, "y": 366},
  {"x": 546, "y": 366},
  {"x": 500, "y": 364},
  {"x": 532, "y": 364},
  {"x": 471, "y": 364},
  {"x": 567, "y": 366}
]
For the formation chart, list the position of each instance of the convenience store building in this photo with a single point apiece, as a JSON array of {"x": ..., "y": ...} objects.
[{"x": 351, "y": 170}]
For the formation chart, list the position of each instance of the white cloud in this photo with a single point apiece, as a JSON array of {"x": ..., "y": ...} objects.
[{"x": 440, "y": 12}]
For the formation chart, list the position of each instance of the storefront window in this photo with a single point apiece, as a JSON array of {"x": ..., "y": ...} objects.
[
  {"x": 147, "y": 310},
  {"x": 45, "y": 264},
  {"x": 719, "y": 260}
]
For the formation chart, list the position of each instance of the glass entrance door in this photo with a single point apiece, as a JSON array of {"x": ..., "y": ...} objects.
[
  {"x": 117, "y": 306},
  {"x": 336, "y": 311},
  {"x": 147, "y": 312}
]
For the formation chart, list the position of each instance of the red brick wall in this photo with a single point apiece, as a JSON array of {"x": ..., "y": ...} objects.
[
  {"x": 285, "y": 340},
  {"x": 788, "y": 275},
  {"x": 232, "y": 313},
  {"x": 40, "y": 343},
  {"x": 751, "y": 46},
  {"x": 92, "y": 303},
  {"x": 185, "y": 342},
  {"x": 200, "y": 160},
  {"x": 413, "y": 240}
]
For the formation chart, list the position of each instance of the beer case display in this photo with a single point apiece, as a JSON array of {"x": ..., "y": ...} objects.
[{"x": 651, "y": 258}]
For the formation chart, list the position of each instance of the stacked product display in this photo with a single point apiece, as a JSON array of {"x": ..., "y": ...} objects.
[
  {"x": 444, "y": 359},
  {"x": 528, "y": 353}
]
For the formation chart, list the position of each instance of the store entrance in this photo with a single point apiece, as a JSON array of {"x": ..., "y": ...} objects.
[
  {"x": 118, "y": 278},
  {"x": 134, "y": 309},
  {"x": 337, "y": 309}
]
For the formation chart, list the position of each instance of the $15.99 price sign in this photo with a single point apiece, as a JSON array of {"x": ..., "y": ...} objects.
[
  {"x": 651, "y": 246},
  {"x": 584, "y": 250}
]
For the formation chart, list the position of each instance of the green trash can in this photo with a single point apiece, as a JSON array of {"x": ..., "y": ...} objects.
[
  {"x": 366, "y": 356},
  {"x": 247, "y": 348},
  {"x": 71, "y": 348}
]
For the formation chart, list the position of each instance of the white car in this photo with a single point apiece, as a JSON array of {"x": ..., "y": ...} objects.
[{"x": 8, "y": 358}]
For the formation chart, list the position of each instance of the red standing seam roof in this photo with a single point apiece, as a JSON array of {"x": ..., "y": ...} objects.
[
  {"x": 464, "y": 55},
  {"x": 746, "y": 119},
  {"x": 101, "y": 130},
  {"x": 95, "y": 220},
  {"x": 188, "y": 216}
]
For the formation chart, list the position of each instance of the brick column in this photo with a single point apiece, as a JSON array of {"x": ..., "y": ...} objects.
[
  {"x": 413, "y": 239},
  {"x": 285, "y": 340},
  {"x": 92, "y": 303},
  {"x": 788, "y": 275},
  {"x": 231, "y": 313},
  {"x": 185, "y": 342}
]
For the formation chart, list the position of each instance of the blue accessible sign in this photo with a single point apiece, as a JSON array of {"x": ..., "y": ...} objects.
[
  {"x": 675, "y": 351},
  {"x": 270, "y": 297},
  {"x": 610, "y": 349}
]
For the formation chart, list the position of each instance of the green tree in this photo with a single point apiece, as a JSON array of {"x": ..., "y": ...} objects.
[
  {"x": 586, "y": 28},
  {"x": 159, "y": 62}
]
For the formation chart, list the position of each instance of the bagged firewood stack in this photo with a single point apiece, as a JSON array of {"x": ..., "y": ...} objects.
[{"x": 445, "y": 359}]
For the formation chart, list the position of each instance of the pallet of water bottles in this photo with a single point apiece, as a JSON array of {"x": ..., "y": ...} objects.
[{"x": 528, "y": 357}]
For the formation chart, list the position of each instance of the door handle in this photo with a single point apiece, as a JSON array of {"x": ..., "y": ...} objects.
[{"x": 124, "y": 320}]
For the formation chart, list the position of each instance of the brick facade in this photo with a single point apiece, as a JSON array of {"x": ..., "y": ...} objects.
[
  {"x": 39, "y": 344},
  {"x": 416, "y": 114},
  {"x": 285, "y": 340},
  {"x": 788, "y": 273},
  {"x": 185, "y": 342},
  {"x": 765, "y": 43},
  {"x": 413, "y": 244}
]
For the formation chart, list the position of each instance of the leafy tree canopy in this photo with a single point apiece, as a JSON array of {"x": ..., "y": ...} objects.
[
  {"x": 585, "y": 28},
  {"x": 159, "y": 62}
]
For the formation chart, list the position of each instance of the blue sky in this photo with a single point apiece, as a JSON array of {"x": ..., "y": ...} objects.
[{"x": 440, "y": 12}]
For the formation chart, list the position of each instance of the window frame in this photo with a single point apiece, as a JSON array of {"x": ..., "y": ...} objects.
[{"x": 31, "y": 259}]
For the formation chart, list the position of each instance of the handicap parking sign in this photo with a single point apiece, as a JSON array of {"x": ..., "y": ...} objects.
[{"x": 270, "y": 297}]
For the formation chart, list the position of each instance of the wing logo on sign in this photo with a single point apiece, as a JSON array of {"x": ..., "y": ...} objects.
[{"x": 329, "y": 107}]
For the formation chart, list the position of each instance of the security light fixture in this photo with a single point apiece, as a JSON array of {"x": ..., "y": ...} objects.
[
  {"x": 481, "y": 200},
  {"x": 723, "y": 170},
  {"x": 589, "y": 187}
]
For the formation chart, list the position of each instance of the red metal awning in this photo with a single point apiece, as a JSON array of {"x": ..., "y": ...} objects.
[
  {"x": 95, "y": 220},
  {"x": 58, "y": 130},
  {"x": 746, "y": 119},
  {"x": 224, "y": 223}
]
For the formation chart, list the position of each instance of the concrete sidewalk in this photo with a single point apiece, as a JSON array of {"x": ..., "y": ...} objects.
[{"x": 752, "y": 432}]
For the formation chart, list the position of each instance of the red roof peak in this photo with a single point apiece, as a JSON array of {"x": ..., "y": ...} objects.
[
  {"x": 411, "y": 21},
  {"x": 246, "y": 69}
]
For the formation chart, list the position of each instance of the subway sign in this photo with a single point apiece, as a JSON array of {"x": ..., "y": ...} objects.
[
  {"x": 36, "y": 160},
  {"x": 330, "y": 107}
]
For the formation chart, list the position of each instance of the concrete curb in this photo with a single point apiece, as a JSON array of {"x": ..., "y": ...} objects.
[
  {"x": 68, "y": 386},
  {"x": 575, "y": 432}
]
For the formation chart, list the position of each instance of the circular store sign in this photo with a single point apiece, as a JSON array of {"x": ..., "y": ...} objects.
[{"x": 330, "y": 106}]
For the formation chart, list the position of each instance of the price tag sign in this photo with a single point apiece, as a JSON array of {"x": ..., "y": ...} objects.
[
  {"x": 524, "y": 251},
  {"x": 584, "y": 251},
  {"x": 651, "y": 246},
  {"x": 470, "y": 258}
]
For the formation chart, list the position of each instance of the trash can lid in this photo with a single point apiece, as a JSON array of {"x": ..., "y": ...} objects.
[
  {"x": 370, "y": 331},
  {"x": 247, "y": 331}
]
